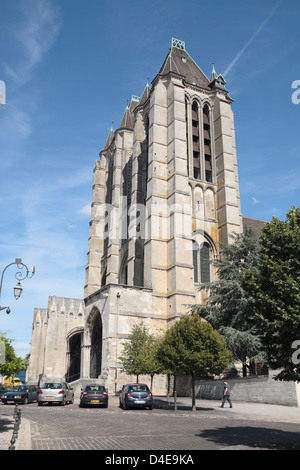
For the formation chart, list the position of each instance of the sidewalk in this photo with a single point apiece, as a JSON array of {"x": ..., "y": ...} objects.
[
  {"x": 205, "y": 409},
  {"x": 240, "y": 410},
  {"x": 23, "y": 442}
]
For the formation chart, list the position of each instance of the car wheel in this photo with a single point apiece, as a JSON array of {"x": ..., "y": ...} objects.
[
  {"x": 26, "y": 401},
  {"x": 40, "y": 403},
  {"x": 63, "y": 402}
]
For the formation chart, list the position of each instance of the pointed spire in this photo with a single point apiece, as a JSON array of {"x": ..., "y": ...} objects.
[
  {"x": 110, "y": 137},
  {"x": 213, "y": 73},
  {"x": 146, "y": 93}
]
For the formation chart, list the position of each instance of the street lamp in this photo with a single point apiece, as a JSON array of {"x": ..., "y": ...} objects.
[{"x": 20, "y": 276}]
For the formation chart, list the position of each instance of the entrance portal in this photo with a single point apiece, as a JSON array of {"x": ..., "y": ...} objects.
[
  {"x": 74, "y": 357},
  {"x": 96, "y": 344}
]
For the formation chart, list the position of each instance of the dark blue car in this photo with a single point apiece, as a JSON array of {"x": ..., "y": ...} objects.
[{"x": 20, "y": 394}]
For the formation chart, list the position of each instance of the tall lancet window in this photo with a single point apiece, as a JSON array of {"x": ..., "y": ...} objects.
[
  {"x": 187, "y": 138},
  {"x": 196, "y": 140},
  {"x": 207, "y": 145},
  {"x": 202, "y": 256}
]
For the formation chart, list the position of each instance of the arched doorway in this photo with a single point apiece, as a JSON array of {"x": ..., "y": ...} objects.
[
  {"x": 95, "y": 329},
  {"x": 74, "y": 353}
]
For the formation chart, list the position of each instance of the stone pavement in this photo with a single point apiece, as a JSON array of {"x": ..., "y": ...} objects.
[{"x": 241, "y": 410}]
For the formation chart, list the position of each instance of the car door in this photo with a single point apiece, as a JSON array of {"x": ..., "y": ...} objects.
[
  {"x": 32, "y": 393},
  {"x": 68, "y": 392}
]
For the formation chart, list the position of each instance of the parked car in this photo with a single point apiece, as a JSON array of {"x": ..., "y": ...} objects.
[
  {"x": 3, "y": 390},
  {"x": 55, "y": 392},
  {"x": 135, "y": 395},
  {"x": 21, "y": 394},
  {"x": 94, "y": 395}
]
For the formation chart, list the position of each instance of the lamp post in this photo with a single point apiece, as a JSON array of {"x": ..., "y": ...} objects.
[{"x": 20, "y": 276}]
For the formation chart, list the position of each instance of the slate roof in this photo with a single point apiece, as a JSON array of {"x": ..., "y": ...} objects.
[
  {"x": 256, "y": 224},
  {"x": 128, "y": 116},
  {"x": 179, "y": 61}
]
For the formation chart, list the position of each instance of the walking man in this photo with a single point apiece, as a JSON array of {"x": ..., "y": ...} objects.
[{"x": 226, "y": 394}]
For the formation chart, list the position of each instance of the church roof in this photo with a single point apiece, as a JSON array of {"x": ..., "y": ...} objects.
[
  {"x": 128, "y": 117},
  {"x": 145, "y": 94},
  {"x": 179, "y": 61},
  {"x": 256, "y": 224},
  {"x": 109, "y": 138}
]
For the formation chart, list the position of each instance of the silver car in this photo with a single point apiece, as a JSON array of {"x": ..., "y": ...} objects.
[{"x": 59, "y": 392}]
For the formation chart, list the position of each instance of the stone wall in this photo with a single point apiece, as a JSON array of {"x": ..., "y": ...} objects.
[{"x": 259, "y": 389}]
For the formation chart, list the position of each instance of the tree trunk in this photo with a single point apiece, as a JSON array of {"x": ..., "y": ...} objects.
[{"x": 193, "y": 394}]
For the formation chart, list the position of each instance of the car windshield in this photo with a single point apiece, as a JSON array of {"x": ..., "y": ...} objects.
[
  {"x": 52, "y": 385},
  {"x": 20, "y": 388},
  {"x": 94, "y": 388},
  {"x": 138, "y": 388}
]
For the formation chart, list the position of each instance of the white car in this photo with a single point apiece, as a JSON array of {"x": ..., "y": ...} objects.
[{"x": 59, "y": 392}]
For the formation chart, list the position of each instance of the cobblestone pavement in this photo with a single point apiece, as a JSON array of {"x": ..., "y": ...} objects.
[{"x": 209, "y": 428}]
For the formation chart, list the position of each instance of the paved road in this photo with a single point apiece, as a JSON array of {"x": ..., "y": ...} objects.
[{"x": 246, "y": 427}]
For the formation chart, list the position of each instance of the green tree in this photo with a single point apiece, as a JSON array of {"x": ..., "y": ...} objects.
[
  {"x": 137, "y": 352},
  {"x": 276, "y": 287},
  {"x": 191, "y": 347},
  {"x": 229, "y": 306},
  {"x": 12, "y": 364}
]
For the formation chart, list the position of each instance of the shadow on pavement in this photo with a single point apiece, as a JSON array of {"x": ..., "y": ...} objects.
[
  {"x": 253, "y": 437},
  {"x": 5, "y": 425},
  {"x": 163, "y": 404}
]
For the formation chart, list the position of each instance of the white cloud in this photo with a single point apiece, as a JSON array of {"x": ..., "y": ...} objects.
[
  {"x": 86, "y": 210},
  {"x": 36, "y": 33},
  {"x": 255, "y": 201}
]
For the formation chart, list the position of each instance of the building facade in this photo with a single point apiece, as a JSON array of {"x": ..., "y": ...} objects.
[{"x": 165, "y": 194}]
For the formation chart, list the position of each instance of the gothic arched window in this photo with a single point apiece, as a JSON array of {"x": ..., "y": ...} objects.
[
  {"x": 205, "y": 263},
  {"x": 202, "y": 256}
]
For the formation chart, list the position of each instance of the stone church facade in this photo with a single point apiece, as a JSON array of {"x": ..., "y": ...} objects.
[{"x": 165, "y": 194}]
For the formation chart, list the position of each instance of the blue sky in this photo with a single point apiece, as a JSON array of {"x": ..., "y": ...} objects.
[{"x": 71, "y": 65}]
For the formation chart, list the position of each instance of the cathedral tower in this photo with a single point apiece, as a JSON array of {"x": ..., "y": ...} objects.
[{"x": 165, "y": 193}]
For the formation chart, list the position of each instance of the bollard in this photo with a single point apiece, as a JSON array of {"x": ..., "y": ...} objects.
[
  {"x": 17, "y": 418},
  {"x": 175, "y": 400}
]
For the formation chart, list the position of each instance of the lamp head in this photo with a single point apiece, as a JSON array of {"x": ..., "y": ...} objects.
[{"x": 18, "y": 290}]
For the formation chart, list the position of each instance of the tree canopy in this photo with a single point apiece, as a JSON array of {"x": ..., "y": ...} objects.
[
  {"x": 12, "y": 364},
  {"x": 192, "y": 347},
  {"x": 276, "y": 288},
  {"x": 229, "y": 305},
  {"x": 139, "y": 353}
]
